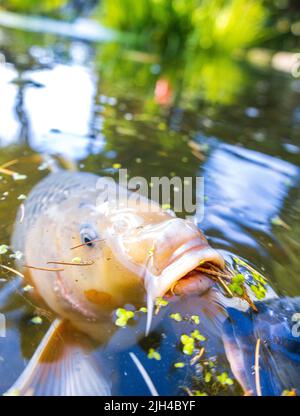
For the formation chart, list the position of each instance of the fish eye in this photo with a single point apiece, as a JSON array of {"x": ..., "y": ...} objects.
[{"x": 88, "y": 234}]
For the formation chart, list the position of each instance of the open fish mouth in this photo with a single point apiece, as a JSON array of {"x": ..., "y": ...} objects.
[
  {"x": 184, "y": 268},
  {"x": 181, "y": 275},
  {"x": 193, "y": 283}
]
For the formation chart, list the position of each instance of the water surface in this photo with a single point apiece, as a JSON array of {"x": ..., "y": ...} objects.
[{"x": 97, "y": 106}]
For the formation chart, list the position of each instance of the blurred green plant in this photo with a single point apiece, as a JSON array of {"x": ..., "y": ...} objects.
[
  {"x": 33, "y": 6},
  {"x": 216, "y": 77},
  {"x": 170, "y": 26}
]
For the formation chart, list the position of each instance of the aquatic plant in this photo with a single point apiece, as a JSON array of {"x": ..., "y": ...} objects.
[
  {"x": 123, "y": 315},
  {"x": 168, "y": 26},
  {"x": 154, "y": 355},
  {"x": 33, "y": 6}
]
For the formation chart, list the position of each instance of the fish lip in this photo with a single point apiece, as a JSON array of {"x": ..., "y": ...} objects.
[{"x": 181, "y": 266}]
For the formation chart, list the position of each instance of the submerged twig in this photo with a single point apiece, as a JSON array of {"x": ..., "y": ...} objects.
[
  {"x": 67, "y": 263},
  {"x": 197, "y": 356},
  {"x": 256, "y": 368},
  {"x": 144, "y": 374},
  {"x": 218, "y": 276},
  {"x": 10, "y": 163},
  {"x": 46, "y": 269},
  {"x": 212, "y": 272},
  {"x": 10, "y": 269},
  {"x": 7, "y": 171},
  {"x": 225, "y": 286},
  {"x": 188, "y": 391}
]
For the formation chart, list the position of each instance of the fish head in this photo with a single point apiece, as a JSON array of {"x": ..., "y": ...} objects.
[
  {"x": 139, "y": 252},
  {"x": 127, "y": 251}
]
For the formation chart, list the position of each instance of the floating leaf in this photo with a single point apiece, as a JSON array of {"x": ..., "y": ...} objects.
[
  {"x": 117, "y": 165},
  {"x": 176, "y": 316},
  {"x": 37, "y": 320},
  {"x": 259, "y": 291},
  {"x": 27, "y": 288},
  {"x": 179, "y": 365},
  {"x": 18, "y": 177},
  {"x": 22, "y": 197},
  {"x": 123, "y": 316},
  {"x": 153, "y": 354},
  {"x": 199, "y": 393},
  {"x": 224, "y": 379},
  {"x": 188, "y": 344},
  {"x": 196, "y": 319},
  {"x": 208, "y": 377},
  {"x": 161, "y": 302},
  {"x": 17, "y": 255},
  {"x": 196, "y": 335},
  {"x": 3, "y": 248}
]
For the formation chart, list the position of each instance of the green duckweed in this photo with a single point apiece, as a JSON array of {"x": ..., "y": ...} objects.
[
  {"x": 123, "y": 316},
  {"x": 153, "y": 354}
]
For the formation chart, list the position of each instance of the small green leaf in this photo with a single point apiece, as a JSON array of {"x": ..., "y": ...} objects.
[
  {"x": 176, "y": 316},
  {"x": 143, "y": 309},
  {"x": 259, "y": 291},
  {"x": 199, "y": 393},
  {"x": 179, "y": 365},
  {"x": 117, "y": 165},
  {"x": 224, "y": 379},
  {"x": 196, "y": 319},
  {"x": 207, "y": 377},
  {"x": 196, "y": 335},
  {"x": 161, "y": 302},
  {"x": 27, "y": 288},
  {"x": 153, "y": 354},
  {"x": 3, "y": 248},
  {"x": 234, "y": 287},
  {"x": 188, "y": 344},
  {"x": 238, "y": 278},
  {"x": 37, "y": 320},
  {"x": 123, "y": 317}
]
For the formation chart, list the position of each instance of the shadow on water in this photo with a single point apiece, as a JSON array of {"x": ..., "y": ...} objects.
[{"x": 97, "y": 105}]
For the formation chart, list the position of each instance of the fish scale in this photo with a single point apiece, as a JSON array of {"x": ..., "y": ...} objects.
[{"x": 51, "y": 190}]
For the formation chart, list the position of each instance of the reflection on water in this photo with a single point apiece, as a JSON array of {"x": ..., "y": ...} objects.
[{"x": 97, "y": 107}]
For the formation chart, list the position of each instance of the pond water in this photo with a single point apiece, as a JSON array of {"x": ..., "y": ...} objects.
[{"x": 237, "y": 126}]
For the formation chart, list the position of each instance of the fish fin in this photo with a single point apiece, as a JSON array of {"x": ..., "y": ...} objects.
[
  {"x": 279, "y": 353},
  {"x": 63, "y": 365}
]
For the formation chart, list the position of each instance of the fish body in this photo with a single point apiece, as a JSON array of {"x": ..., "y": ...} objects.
[
  {"x": 134, "y": 249},
  {"x": 93, "y": 246}
]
